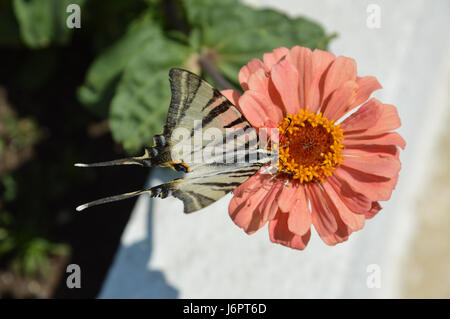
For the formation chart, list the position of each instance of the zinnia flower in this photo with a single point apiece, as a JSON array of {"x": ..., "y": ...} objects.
[{"x": 331, "y": 172}]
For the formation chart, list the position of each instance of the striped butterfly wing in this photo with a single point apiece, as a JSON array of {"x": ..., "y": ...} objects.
[
  {"x": 193, "y": 99},
  {"x": 214, "y": 167},
  {"x": 203, "y": 187},
  {"x": 196, "y": 108}
]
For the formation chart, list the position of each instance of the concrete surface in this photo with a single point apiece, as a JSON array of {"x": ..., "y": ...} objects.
[
  {"x": 428, "y": 260},
  {"x": 166, "y": 254}
]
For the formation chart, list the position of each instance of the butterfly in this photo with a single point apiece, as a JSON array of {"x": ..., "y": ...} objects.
[{"x": 197, "y": 106}]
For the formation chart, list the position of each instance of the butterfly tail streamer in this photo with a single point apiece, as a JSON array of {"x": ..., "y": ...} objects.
[
  {"x": 157, "y": 191},
  {"x": 145, "y": 160},
  {"x": 124, "y": 161}
]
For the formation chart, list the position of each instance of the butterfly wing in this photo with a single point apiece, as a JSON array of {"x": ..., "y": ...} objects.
[
  {"x": 203, "y": 187},
  {"x": 196, "y": 107}
]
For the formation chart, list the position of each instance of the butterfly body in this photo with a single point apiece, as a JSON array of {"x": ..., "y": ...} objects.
[{"x": 212, "y": 170}]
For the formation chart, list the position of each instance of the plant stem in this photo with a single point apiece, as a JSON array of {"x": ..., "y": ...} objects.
[
  {"x": 208, "y": 66},
  {"x": 172, "y": 11}
]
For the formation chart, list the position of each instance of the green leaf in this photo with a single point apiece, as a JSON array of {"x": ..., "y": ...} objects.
[
  {"x": 43, "y": 22},
  {"x": 7, "y": 244},
  {"x": 10, "y": 186},
  {"x": 140, "y": 105},
  {"x": 33, "y": 256},
  {"x": 233, "y": 33},
  {"x": 9, "y": 29},
  {"x": 104, "y": 74}
]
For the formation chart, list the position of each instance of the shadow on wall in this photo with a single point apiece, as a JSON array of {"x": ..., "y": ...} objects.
[{"x": 130, "y": 276}]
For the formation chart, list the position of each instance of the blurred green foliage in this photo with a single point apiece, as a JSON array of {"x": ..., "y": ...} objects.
[
  {"x": 28, "y": 251},
  {"x": 41, "y": 22}
]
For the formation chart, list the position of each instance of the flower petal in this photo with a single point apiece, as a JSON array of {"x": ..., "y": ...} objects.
[
  {"x": 240, "y": 215},
  {"x": 322, "y": 218},
  {"x": 321, "y": 207},
  {"x": 334, "y": 107},
  {"x": 259, "y": 81},
  {"x": 301, "y": 59},
  {"x": 280, "y": 234},
  {"x": 376, "y": 207},
  {"x": 364, "y": 150},
  {"x": 321, "y": 61},
  {"x": 247, "y": 70},
  {"x": 299, "y": 221},
  {"x": 288, "y": 197},
  {"x": 259, "y": 111},
  {"x": 384, "y": 119},
  {"x": 392, "y": 138},
  {"x": 270, "y": 59},
  {"x": 364, "y": 118},
  {"x": 367, "y": 85},
  {"x": 245, "y": 214},
  {"x": 269, "y": 206},
  {"x": 232, "y": 96},
  {"x": 388, "y": 121},
  {"x": 341, "y": 235},
  {"x": 387, "y": 166},
  {"x": 285, "y": 79},
  {"x": 341, "y": 70},
  {"x": 373, "y": 187},
  {"x": 251, "y": 185},
  {"x": 352, "y": 220},
  {"x": 357, "y": 202}
]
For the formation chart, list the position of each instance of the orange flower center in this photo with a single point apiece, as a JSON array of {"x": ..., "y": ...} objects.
[{"x": 310, "y": 147}]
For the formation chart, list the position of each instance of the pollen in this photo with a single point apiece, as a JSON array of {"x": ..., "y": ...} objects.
[{"x": 310, "y": 147}]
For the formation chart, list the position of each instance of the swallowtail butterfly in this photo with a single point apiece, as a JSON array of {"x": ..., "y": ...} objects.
[{"x": 197, "y": 105}]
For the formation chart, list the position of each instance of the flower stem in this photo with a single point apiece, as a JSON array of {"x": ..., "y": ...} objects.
[{"x": 208, "y": 66}]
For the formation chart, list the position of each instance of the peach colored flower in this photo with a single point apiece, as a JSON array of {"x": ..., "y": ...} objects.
[{"x": 329, "y": 175}]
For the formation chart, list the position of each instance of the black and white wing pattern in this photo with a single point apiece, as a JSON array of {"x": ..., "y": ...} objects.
[{"x": 206, "y": 137}]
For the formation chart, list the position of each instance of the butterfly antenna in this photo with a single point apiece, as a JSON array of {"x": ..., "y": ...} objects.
[
  {"x": 282, "y": 135},
  {"x": 290, "y": 122},
  {"x": 143, "y": 160},
  {"x": 285, "y": 145}
]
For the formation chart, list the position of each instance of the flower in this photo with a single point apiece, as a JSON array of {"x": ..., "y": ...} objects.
[{"x": 332, "y": 172}]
